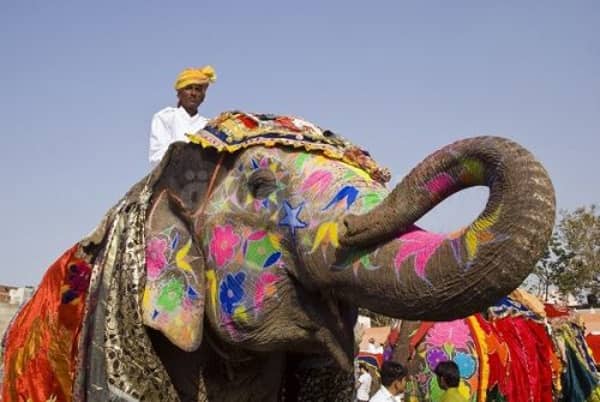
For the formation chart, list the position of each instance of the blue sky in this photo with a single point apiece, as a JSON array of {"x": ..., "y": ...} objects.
[{"x": 80, "y": 81}]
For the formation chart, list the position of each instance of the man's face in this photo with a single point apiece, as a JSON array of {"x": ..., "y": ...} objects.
[
  {"x": 441, "y": 382},
  {"x": 192, "y": 96},
  {"x": 399, "y": 386}
]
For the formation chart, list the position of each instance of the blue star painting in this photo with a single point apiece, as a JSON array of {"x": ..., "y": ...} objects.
[{"x": 291, "y": 218}]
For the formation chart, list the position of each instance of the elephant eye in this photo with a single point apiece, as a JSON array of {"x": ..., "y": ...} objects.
[{"x": 261, "y": 183}]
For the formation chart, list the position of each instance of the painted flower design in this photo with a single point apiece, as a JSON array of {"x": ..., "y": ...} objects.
[
  {"x": 265, "y": 287},
  {"x": 317, "y": 182},
  {"x": 455, "y": 333},
  {"x": 223, "y": 243},
  {"x": 434, "y": 356},
  {"x": 231, "y": 292},
  {"x": 171, "y": 295},
  {"x": 421, "y": 245},
  {"x": 466, "y": 364},
  {"x": 156, "y": 260},
  {"x": 261, "y": 250},
  {"x": 77, "y": 281}
]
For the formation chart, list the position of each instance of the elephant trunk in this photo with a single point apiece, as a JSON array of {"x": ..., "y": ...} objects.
[{"x": 419, "y": 275}]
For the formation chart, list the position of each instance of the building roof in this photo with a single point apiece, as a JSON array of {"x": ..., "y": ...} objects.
[
  {"x": 379, "y": 333},
  {"x": 591, "y": 320}
]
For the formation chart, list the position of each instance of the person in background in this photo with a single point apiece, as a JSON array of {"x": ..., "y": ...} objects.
[
  {"x": 393, "y": 383},
  {"x": 363, "y": 385},
  {"x": 372, "y": 347},
  {"x": 448, "y": 377},
  {"x": 172, "y": 123}
]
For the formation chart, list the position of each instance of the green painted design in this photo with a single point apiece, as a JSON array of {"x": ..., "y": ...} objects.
[
  {"x": 473, "y": 171},
  {"x": 366, "y": 262},
  {"x": 258, "y": 252},
  {"x": 171, "y": 295},
  {"x": 301, "y": 160},
  {"x": 371, "y": 200},
  {"x": 449, "y": 349},
  {"x": 348, "y": 174}
]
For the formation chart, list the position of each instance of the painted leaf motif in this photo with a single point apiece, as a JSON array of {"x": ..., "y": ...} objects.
[
  {"x": 180, "y": 257},
  {"x": 348, "y": 193},
  {"x": 327, "y": 231},
  {"x": 420, "y": 244}
]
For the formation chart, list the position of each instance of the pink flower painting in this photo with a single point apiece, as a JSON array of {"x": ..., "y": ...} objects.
[
  {"x": 156, "y": 259},
  {"x": 223, "y": 243},
  {"x": 317, "y": 182},
  {"x": 454, "y": 333},
  {"x": 265, "y": 286}
]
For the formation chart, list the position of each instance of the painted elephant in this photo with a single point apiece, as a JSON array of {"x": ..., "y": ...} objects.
[
  {"x": 244, "y": 256},
  {"x": 511, "y": 352}
]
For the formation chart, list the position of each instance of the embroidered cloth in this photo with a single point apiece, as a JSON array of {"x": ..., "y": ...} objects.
[{"x": 232, "y": 131}]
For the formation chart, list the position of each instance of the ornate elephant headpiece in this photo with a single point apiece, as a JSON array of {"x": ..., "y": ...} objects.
[{"x": 232, "y": 131}]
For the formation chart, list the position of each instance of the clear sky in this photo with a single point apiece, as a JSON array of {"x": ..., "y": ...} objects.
[{"x": 80, "y": 80}]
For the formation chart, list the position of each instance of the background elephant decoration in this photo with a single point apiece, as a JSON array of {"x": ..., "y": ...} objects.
[
  {"x": 242, "y": 258},
  {"x": 512, "y": 352}
]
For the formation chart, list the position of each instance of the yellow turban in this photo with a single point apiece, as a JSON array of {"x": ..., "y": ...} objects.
[{"x": 202, "y": 75}]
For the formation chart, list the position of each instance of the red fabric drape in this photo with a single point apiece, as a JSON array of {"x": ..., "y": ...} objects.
[
  {"x": 42, "y": 342},
  {"x": 530, "y": 353}
]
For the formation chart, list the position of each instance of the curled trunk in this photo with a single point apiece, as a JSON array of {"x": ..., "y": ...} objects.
[{"x": 419, "y": 275}]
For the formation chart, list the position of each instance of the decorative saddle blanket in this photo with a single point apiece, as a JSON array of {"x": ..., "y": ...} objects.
[{"x": 231, "y": 131}]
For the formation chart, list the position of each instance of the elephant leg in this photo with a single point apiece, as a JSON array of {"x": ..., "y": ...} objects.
[
  {"x": 184, "y": 368},
  {"x": 316, "y": 379}
]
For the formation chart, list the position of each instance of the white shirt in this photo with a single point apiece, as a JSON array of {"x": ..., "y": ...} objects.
[
  {"x": 170, "y": 125},
  {"x": 362, "y": 393},
  {"x": 383, "y": 395}
]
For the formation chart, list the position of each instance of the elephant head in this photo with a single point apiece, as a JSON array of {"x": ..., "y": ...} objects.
[{"x": 291, "y": 237}]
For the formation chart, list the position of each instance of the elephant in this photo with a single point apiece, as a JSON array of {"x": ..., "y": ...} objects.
[
  {"x": 511, "y": 352},
  {"x": 242, "y": 258}
]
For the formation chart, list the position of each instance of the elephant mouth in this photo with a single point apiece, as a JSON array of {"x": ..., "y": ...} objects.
[{"x": 333, "y": 328}]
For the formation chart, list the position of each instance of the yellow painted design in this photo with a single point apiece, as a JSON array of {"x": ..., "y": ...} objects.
[
  {"x": 211, "y": 281},
  {"x": 359, "y": 172},
  {"x": 275, "y": 242},
  {"x": 479, "y": 232},
  {"x": 327, "y": 231},
  {"x": 482, "y": 352},
  {"x": 320, "y": 160},
  {"x": 474, "y": 172},
  {"x": 146, "y": 299},
  {"x": 181, "y": 256},
  {"x": 240, "y": 314}
]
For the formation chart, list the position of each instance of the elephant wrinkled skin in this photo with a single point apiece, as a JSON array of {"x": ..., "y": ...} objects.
[{"x": 250, "y": 266}]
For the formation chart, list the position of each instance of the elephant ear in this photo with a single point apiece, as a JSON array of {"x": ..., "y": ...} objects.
[
  {"x": 173, "y": 301},
  {"x": 174, "y": 295}
]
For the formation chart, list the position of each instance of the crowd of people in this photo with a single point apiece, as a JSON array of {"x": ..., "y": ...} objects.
[{"x": 393, "y": 383}]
